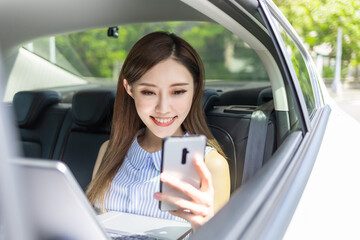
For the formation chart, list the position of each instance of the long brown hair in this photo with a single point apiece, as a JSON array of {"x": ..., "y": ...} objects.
[{"x": 145, "y": 54}]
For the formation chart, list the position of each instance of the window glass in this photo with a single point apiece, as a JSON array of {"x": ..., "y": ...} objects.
[
  {"x": 92, "y": 57},
  {"x": 300, "y": 70}
]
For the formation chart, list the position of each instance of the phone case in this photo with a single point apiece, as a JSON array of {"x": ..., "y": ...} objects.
[{"x": 178, "y": 160}]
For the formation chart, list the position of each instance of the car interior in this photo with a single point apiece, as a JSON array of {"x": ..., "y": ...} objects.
[
  {"x": 69, "y": 123},
  {"x": 61, "y": 63},
  {"x": 73, "y": 133}
]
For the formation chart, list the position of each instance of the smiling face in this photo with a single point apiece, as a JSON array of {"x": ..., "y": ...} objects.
[{"x": 163, "y": 97}]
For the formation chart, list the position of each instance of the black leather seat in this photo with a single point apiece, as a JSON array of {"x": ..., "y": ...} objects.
[
  {"x": 230, "y": 127},
  {"x": 209, "y": 99},
  {"x": 85, "y": 129},
  {"x": 74, "y": 134},
  {"x": 39, "y": 118},
  {"x": 252, "y": 96}
]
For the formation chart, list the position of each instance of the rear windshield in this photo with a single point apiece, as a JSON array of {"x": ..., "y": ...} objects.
[{"x": 92, "y": 57}]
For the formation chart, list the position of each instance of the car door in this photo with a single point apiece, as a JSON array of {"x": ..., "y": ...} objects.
[
  {"x": 14, "y": 223},
  {"x": 262, "y": 208}
]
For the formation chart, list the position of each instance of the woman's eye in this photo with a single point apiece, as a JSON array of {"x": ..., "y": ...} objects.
[
  {"x": 147, "y": 92},
  {"x": 179, "y": 92}
]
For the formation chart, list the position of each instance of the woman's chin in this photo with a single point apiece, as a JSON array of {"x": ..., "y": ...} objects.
[{"x": 164, "y": 132}]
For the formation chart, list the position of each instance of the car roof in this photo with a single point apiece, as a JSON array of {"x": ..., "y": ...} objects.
[{"x": 24, "y": 21}]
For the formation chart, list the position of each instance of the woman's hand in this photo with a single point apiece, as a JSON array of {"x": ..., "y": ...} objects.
[{"x": 200, "y": 208}]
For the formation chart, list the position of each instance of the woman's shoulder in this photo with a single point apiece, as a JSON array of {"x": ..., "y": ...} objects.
[
  {"x": 104, "y": 145},
  {"x": 214, "y": 159},
  {"x": 102, "y": 150},
  {"x": 100, "y": 157}
]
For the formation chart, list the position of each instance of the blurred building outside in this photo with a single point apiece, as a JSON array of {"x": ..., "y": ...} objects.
[
  {"x": 351, "y": 80},
  {"x": 347, "y": 96}
]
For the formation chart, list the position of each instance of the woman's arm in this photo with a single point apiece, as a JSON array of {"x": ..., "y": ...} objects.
[
  {"x": 219, "y": 170},
  {"x": 100, "y": 157}
]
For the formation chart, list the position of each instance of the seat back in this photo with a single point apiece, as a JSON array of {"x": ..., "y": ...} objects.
[
  {"x": 39, "y": 119},
  {"x": 227, "y": 144},
  {"x": 85, "y": 129},
  {"x": 230, "y": 126},
  {"x": 225, "y": 140},
  {"x": 74, "y": 134},
  {"x": 248, "y": 96}
]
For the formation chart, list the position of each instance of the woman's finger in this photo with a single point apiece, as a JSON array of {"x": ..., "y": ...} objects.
[
  {"x": 195, "y": 220},
  {"x": 183, "y": 214},
  {"x": 194, "y": 208},
  {"x": 188, "y": 216},
  {"x": 206, "y": 182},
  {"x": 187, "y": 189}
]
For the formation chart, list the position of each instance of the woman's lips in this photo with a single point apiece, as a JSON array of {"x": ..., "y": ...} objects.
[{"x": 163, "y": 122}]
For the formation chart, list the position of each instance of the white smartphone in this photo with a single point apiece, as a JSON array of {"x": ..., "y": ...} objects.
[{"x": 178, "y": 160}]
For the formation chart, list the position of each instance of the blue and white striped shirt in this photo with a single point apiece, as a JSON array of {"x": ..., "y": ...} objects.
[{"x": 133, "y": 187}]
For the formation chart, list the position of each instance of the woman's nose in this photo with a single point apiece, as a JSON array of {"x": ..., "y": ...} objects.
[{"x": 163, "y": 104}]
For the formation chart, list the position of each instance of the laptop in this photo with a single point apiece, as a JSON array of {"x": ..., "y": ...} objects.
[{"x": 59, "y": 209}]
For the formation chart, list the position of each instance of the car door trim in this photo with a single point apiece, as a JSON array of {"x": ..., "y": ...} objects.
[
  {"x": 275, "y": 216},
  {"x": 263, "y": 207},
  {"x": 245, "y": 202}
]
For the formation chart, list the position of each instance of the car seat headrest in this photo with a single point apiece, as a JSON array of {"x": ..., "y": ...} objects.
[
  {"x": 264, "y": 96},
  {"x": 28, "y": 105},
  {"x": 209, "y": 98},
  {"x": 92, "y": 108}
]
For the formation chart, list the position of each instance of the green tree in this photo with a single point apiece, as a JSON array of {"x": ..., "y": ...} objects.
[
  {"x": 94, "y": 54},
  {"x": 317, "y": 22}
]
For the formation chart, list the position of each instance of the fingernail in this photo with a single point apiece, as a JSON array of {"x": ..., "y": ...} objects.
[
  {"x": 157, "y": 195},
  {"x": 163, "y": 176},
  {"x": 197, "y": 159}
]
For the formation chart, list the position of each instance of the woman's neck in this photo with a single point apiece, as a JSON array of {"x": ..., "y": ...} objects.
[{"x": 149, "y": 142}]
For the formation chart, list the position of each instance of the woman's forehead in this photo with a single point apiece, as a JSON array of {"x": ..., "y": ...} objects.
[{"x": 168, "y": 72}]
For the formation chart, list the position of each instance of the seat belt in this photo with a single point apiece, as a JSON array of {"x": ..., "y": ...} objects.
[{"x": 255, "y": 147}]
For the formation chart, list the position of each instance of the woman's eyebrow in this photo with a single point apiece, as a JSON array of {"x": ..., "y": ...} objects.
[
  {"x": 179, "y": 84},
  {"x": 147, "y": 84},
  {"x": 172, "y": 85}
]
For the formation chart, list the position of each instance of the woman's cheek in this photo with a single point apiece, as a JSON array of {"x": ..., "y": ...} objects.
[
  {"x": 144, "y": 105},
  {"x": 184, "y": 104}
]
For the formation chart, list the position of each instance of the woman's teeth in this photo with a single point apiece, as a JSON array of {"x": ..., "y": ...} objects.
[{"x": 163, "y": 120}]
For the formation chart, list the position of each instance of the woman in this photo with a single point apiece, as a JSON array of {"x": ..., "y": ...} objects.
[{"x": 158, "y": 95}]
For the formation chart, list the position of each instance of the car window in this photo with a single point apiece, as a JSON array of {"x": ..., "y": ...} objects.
[
  {"x": 92, "y": 54},
  {"x": 93, "y": 57},
  {"x": 300, "y": 68}
]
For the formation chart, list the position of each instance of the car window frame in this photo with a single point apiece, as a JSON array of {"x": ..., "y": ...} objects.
[
  {"x": 305, "y": 54},
  {"x": 320, "y": 105},
  {"x": 269, "y": 12}
]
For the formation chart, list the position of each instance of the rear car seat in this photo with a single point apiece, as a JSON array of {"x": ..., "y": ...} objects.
[
  {"x": 253, "y": 96},
  {"x": 74, "y": 135},
  {"x": 39, "y": 119},
  {"x": 85, "y": 128},
  {"x": 230, "y": 126},
  {"x": 225, "y": 140}
]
